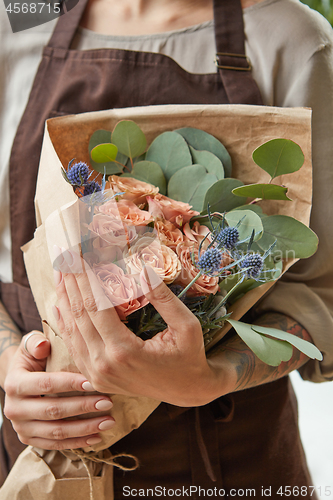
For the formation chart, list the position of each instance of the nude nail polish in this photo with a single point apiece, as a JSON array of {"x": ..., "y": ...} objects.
[
  {"x": 103, "y": 405},
  {"x": 93, "y": 440},
  {"x": 105, "y": 425}
]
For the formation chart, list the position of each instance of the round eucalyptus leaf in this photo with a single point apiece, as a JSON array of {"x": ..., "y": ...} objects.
[
  {"x": 221, "y": 198},
  {"x": 278, "y": 157},
  {"x": 102, "y": 157},
  {"x": 208, "y": 160},
  {"x": 101, "y": 136},
  {"x": 249, "y": 222},
  {"x": 263, "y": 191},
  {"x": 190, "y": 185},
  {"x": 171, "y": 152},
  {"x": 202, "y": 141},
  {"x": 151, "y": 172},
  {"x": 293, "y": 239},
  {"x": 270, "y": 351},
  {"x": 129, "y": 138}
]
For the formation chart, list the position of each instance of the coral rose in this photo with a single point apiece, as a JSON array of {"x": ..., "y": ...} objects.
[
  {"x": 197, "y": 233},
  {"x": 111, "y": 231},
  {"x": 148, "y": 250},
  {"x": 168, "y": 233},
  {"x": 126, "y": 211},
  {"x": 135, "y": 191},
  {"x": 176, "y": 212},
  {"x": 205, "y": 285},
  {"x": 121, "y": 289}
]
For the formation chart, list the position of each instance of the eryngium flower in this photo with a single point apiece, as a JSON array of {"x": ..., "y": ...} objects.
[
  {"x": 91, "y": 188},
  {"x": 252, "y": 264},
  {"x": 228, "y": 237},
  {"x": 78, "y": 174},
  {"x": 210, "y": 261}
]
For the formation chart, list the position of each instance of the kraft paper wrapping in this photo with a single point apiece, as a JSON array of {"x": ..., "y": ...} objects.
[{"x": 241, "y": 128}]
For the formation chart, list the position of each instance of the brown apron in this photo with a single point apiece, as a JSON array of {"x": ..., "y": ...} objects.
[{"x": 232, "y": 442}]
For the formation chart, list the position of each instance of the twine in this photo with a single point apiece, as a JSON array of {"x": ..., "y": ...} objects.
[{"x": 92, "y": 456}]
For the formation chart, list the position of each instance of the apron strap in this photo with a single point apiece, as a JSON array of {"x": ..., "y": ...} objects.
[
  {"x": 233, "y": 64},
  {"x": 67, "y": 24}
]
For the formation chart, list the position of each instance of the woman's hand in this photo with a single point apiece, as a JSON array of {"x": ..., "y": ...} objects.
[
  {"x": 38, "y": 420},
  {"x": 171, "y": 367}
]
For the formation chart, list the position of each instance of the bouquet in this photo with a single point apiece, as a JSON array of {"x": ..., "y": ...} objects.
[
  {"x": 220, "y": 251},
  {"x": 208, "y": 252}
]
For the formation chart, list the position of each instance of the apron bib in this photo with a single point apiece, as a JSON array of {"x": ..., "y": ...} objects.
[{"x": 211, "y": 446}]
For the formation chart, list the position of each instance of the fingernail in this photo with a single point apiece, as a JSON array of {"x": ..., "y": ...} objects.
[
  {"x": 93, "y": 440},
  {"x": 57, "y": 277},
  {"x": 58, "y": 257},
  {"x": 56, "y": 313},
  {"x": 149, "y": 279},
  {"x": 40, "y": 343},
  {"x": 68, "y": 256},
  {"x": 105, "y": 425},
  {"x": 103, "y": 404},
  {"x": 87, "y": 386}
]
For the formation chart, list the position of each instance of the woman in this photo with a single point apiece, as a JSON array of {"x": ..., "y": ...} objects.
[{"x": 290, "y": 69}]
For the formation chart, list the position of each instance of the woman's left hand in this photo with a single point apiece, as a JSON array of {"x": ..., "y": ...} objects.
[{"x": 170, "y": 367}]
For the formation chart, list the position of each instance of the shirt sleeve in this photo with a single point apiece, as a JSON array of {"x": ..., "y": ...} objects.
[{"x": 305, "y": 292}]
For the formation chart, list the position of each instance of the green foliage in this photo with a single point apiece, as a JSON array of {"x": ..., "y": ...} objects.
[
  {"x": 151, "y": 172},
  {"x": 129, "y": 138},
  {"x": 262, "y": 191},
  {"x": 278, "y": 157}
]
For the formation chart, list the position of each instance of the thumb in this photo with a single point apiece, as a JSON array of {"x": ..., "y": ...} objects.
[
  {"x": 36, "y": 345},
  {"x": 173, "y": 310}
]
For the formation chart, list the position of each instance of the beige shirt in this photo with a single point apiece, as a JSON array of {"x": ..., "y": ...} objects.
[{"x": 291, "y": 50}]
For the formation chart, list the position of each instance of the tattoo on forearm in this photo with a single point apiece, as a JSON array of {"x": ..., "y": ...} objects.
[
  {"x": 249, "y": 369},
  {"x": 10, "y": 336}
]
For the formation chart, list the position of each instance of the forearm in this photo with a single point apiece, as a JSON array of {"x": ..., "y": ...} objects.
[
  {"x": 10, "y": 339},
  {"x": 244, "y": 368}
]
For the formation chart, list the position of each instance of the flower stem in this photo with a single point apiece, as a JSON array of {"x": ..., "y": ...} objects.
[
  {"x": 190, "y": 284},
  {"x": 224, "y": 300}
]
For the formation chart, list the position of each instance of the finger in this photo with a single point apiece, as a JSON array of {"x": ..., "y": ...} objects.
[
  {"x": 36, "y": 345},
  {"x": 39, "y": 383},
  {"x": 173, "y": 310},
  {"x": 54, "y": 408},
  {"x": 67, "y": 444},
  {"x": 69, "y": 331},
  {"x": 60, "y": 430},
  {"x": 85, "y": 292}
]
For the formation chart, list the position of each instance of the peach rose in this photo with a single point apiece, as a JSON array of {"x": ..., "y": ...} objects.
[
  {"x": 148, "y": 250},
  {"x": 135, "y": 191},
  {"x": 120, "y": 288},
  {"x": 205, "y": 285},
  {"x": 127, "y": 211},
  {"x": 111, "y": 231},
  {"x": 196, "y": 233},
  {"x": 168, "y": 233},
  {"x": 176, "y": 212}
]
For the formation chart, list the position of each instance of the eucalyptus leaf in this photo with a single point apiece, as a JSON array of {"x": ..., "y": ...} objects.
[
  {"x": 302, "y": 345},
  {"x": 151, "y": 172},
  {"x": 129, "y": 138},
  {"x": 263, "y": 191},
  {"x": 104, "y": 153},
  {"x": 190, "y": 185},
  {"x": 171, "y": 152},
  {"x": 208, "y": 160},
  {"x": 250, "y": 222},
  {"x": 270, "y": 351},
  {"x": 294, "y": 239},
  {"x": 202, "y": 141},
  {"x": 220, "y": 197},
  {"x": 278, "y": 157},
  {"x": 104, "y": 137},
  {"x": 254, "y": 208}
]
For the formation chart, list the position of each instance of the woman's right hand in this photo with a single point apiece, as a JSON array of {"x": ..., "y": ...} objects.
[{"x": 39, "y": 421}]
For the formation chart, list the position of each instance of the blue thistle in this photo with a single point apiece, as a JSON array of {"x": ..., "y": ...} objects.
[
  {"x": 210, "y": 261},
  {"x": 91, "y": 188},
  {"x": 78, "y": 174},
  {"x": 229, "y": 237},
  {"x": 252, "y": 264}
]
